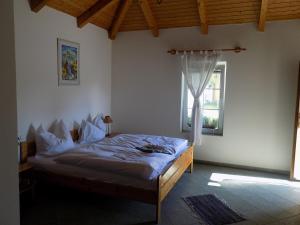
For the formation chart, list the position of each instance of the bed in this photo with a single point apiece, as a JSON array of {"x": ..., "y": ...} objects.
[{"x": 151, "y": 186}]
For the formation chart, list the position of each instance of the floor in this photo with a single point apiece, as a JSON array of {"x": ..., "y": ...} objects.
[{"x": 262, "y": 198}]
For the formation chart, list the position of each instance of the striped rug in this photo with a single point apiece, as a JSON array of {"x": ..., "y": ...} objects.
[{"x": 212, "y": 211}]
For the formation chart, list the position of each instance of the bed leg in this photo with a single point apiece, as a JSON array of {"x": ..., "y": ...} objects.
[
  {"x": 191, "y": 167},
  {"x": 158, "y": 201},
  {"x": 158, "y": 208}
]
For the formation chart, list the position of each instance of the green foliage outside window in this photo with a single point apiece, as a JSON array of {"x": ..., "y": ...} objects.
[{"x": 209, "y": 123}]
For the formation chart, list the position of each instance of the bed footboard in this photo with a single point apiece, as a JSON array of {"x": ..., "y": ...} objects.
[{"x": 167, "y": 181}]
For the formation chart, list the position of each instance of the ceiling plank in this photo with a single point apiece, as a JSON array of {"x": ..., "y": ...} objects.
[
  {"x": 263, "y": 15},
  {"x": 88, "y": 15},
  {"x": 203, "y": 16},
  {"x": 121, "y": 13},
  {"x": 149, "y": 17},
  {"x": 37, "y": 5}
]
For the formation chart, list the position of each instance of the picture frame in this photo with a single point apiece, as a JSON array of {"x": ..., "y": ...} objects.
[{"x": 68, "y": 60}]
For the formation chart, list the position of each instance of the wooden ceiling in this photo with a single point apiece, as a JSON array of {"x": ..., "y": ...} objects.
[{"x": 130, "y": 15}]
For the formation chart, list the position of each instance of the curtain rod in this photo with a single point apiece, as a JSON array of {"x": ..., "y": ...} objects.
[{"x": 236, "y": 50}]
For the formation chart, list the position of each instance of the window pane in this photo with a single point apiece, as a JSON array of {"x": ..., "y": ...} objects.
[
  {"x": 211, "y": 119},
  {"x": 189, "y": 119},
  {"x": 214, "y": 81},
  {"x": 190, "y": 101},
  {"x": 211, "y": 99},
  {"x": 212, "y": 105},
  {"x": 190, "y": 112}
]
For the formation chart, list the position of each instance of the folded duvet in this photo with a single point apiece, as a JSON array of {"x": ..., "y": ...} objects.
[{"x": 118, "y": 159}]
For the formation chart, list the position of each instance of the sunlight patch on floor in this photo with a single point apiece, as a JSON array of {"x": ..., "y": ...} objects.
[
  {"x": 220, "y": 177},
  {"x": 214, "y": 184}
]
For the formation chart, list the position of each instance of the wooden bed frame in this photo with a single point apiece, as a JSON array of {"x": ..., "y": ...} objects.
[{"x": 165, "y": 182}]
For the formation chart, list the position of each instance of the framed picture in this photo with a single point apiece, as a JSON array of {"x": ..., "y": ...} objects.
[{"x": 68, "y": 62}]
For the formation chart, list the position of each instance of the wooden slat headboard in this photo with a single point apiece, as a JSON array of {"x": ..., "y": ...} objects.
[{"x": 29, "y": 148}]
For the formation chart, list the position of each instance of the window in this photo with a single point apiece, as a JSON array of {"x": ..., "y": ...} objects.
[{"x": 212, "y": 103}]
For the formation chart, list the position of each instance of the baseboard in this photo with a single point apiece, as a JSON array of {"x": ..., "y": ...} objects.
[{"x": 234, "y": 166}]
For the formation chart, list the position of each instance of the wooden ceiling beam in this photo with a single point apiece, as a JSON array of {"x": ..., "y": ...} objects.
[
  {"x": 37, "y": 5},
  {"x": 120, "y": 15},
  {"x": 88, "y": 15},
  {"x": 263, "y": 15},
  {"x": 203, "y": 16},
  {"x": 145, "y": 6}
]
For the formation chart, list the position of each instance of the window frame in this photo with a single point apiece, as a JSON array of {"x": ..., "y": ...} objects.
[{"x": 221, "y": 67}]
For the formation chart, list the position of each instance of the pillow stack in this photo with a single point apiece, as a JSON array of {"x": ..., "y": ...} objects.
[
  {"x": 92, "y": 131},
  {"x": 58, "y": 141}
]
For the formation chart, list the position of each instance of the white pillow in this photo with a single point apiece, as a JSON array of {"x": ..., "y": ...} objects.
[
  {"x": 98, "y": 122},
  {"x": 57, "y": 142},
  {"x": 90, "y": 133},
  {"x": 43, "y": 142},
  {"x": 61, "y": 131}
]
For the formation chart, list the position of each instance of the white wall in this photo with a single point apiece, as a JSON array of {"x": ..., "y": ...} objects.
[
  {"x": 260, "y": 89},
  {"x": 9, "y": 196},
  {"x": 40, "y": 100}
]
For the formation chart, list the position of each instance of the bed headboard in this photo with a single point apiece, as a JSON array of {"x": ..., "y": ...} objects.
[{"x": 29, "y": 148}]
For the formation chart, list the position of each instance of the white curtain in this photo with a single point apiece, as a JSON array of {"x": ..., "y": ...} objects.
[{"x": 197, "y": 69}]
